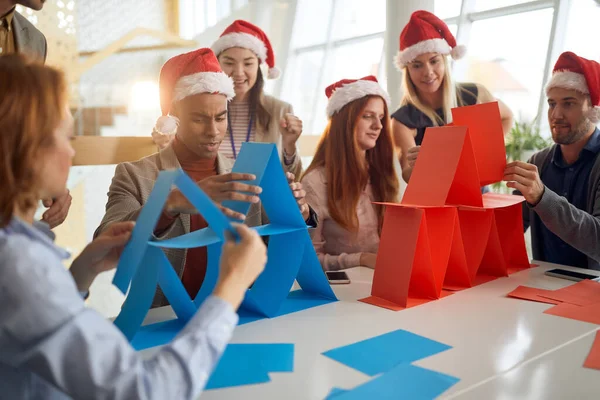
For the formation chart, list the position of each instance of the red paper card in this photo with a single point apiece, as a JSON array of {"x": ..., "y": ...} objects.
[
  {"x": 509, "y": 221},
  {"x": 493, "y": 262},
  {"x": 458, "y": 274},
  {"x": 475, "y": 226},
  {"x": 589, "y": 313},
  {"x": 447, "y": 155},
  {"x": 397, "y": 250},
  {"x": 533, "y": 294},
  {"x": 582, "y": 293},
  {"x": 487, "y": 136},
  {"x": 593, "y": 358},
  {"x": 412, "y": 257}
]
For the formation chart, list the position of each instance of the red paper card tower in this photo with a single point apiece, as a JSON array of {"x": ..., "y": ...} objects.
[{"x": 445, "y": 234}]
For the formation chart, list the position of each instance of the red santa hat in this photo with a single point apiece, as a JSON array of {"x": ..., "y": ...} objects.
[
  {"x": 186, "y": 75},
  {"x": 248, "y": 36},
  {"x": 580, "y": 74},
  {"x": 348, "y": 90},
  {"x": 426, "y": 33}
]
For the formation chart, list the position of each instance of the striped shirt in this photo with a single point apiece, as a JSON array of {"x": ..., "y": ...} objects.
[{"x": 239, "y": 118}]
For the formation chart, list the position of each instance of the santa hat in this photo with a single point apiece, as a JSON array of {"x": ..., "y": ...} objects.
[
  {"x": 348, "y": 90},
  {"x": 186, "y": 75},
  {"x": 248, "y": 36},
  {"x": 426, "y": 33},
  {"x": 580, "y": 74}
]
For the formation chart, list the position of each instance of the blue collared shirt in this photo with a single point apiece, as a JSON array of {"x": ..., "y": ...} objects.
[
  {"x": 571, "y": 182},
  {"x": 53, "y": 347}
]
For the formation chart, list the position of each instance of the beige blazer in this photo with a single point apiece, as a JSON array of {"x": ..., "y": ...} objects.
[
  {"x": 129, "y": 191},
  {"x": 28, "y": 39},
  {"x": 278, "y": 109}
]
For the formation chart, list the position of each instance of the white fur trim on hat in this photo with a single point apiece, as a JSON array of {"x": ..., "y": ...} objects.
[
  {"x": 245, "y": 40},
  {"x": 593, "y": 114},
  {"x": 203, "y": 82},
  {"x": 426, "y": 46},
  {"x": 274, "y": 73},
  {"x": 166, "y": 125},
  {"x": 568, "y": 80},
  {"x": 354, "y": 91},
  {"x": 458, "y": 52}
]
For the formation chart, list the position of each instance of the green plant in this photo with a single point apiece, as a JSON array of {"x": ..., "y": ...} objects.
[{"x": 523, "y": 137}]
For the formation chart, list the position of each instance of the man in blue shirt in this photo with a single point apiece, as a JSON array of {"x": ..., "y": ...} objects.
[{"x": 561, "y": 183}]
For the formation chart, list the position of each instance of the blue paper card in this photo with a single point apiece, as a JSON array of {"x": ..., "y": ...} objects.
[
  {"x": 245, "y": 364},
  {"x": 382, "y": 353},
  {"x": 404, "y": 381}
]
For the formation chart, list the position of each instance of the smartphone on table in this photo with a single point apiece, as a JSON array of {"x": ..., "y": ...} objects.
[
  {"x": 570, "y": 275},
  {"x": 337, "y": 277}
]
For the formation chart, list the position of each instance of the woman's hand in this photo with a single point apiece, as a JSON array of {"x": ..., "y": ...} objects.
[{"x": 101, "y": 255}]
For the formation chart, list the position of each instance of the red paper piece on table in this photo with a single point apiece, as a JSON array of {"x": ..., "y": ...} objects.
[
  {"x": 411, "y": 302},
  {"x": 590, "y": 313},
  {"x": 487, "y": 137},
  {"x": 582, "y": 293},
  {"x": 412, "y": 259},
  {"x": 480, "y": 279},
  {"x": 593, "y": 358},
  {"x": 446, "y": 154},
  {"x": 533, "y": 294}
]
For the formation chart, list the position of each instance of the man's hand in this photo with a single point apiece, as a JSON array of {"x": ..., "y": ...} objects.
[
  {"x": 58, "y": 209},
  {"x": 526, "y": 179},
  {"x": 291, "y": 129},
  {"x": 219, "y": 188},
  {"x": 299, "y": 195},
  {"x": 101, "y": 255}
]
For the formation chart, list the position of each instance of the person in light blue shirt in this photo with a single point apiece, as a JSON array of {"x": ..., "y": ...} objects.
[{"x": 51, "y": 345}]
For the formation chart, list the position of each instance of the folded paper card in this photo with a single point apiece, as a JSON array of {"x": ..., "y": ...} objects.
[
  {"x": 445, "y": 234},
  {"x": 291, "y": 256},
  {"x": 446, "y": 171},
  {"x": 487, "y": 138}
]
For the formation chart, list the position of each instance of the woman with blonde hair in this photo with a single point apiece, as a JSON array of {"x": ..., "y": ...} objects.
[
  {"x": 353, "y": 167},
  {"x": 246, "y": 55},
  {"x": 52, "y": 345},
  {"x": 429, "y": 90}
]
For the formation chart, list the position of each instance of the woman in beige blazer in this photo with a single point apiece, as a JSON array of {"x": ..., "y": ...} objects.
[{"x": 246, "y": 55}]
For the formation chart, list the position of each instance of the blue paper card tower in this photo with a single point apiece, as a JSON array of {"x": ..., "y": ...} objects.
[{"x": 291, "y": 255}]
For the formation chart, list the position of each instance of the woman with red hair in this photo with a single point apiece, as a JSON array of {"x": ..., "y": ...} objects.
[{"x": 352, "y": 168}]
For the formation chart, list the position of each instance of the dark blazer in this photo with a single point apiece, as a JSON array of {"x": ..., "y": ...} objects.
[{"x": 28, "y": 39}]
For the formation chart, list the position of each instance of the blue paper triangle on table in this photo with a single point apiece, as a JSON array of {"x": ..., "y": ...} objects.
[
  {"x": 405, "y": 381},
  {"x": 291, "y": 255},
  {"x": 382, "y": 353}
]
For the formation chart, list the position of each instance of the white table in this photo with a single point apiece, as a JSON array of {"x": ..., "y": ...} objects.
[{"x": 503, "y": 348}]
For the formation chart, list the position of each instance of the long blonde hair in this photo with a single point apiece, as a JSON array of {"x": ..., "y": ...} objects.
[{"x": 450, "y": 98}]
